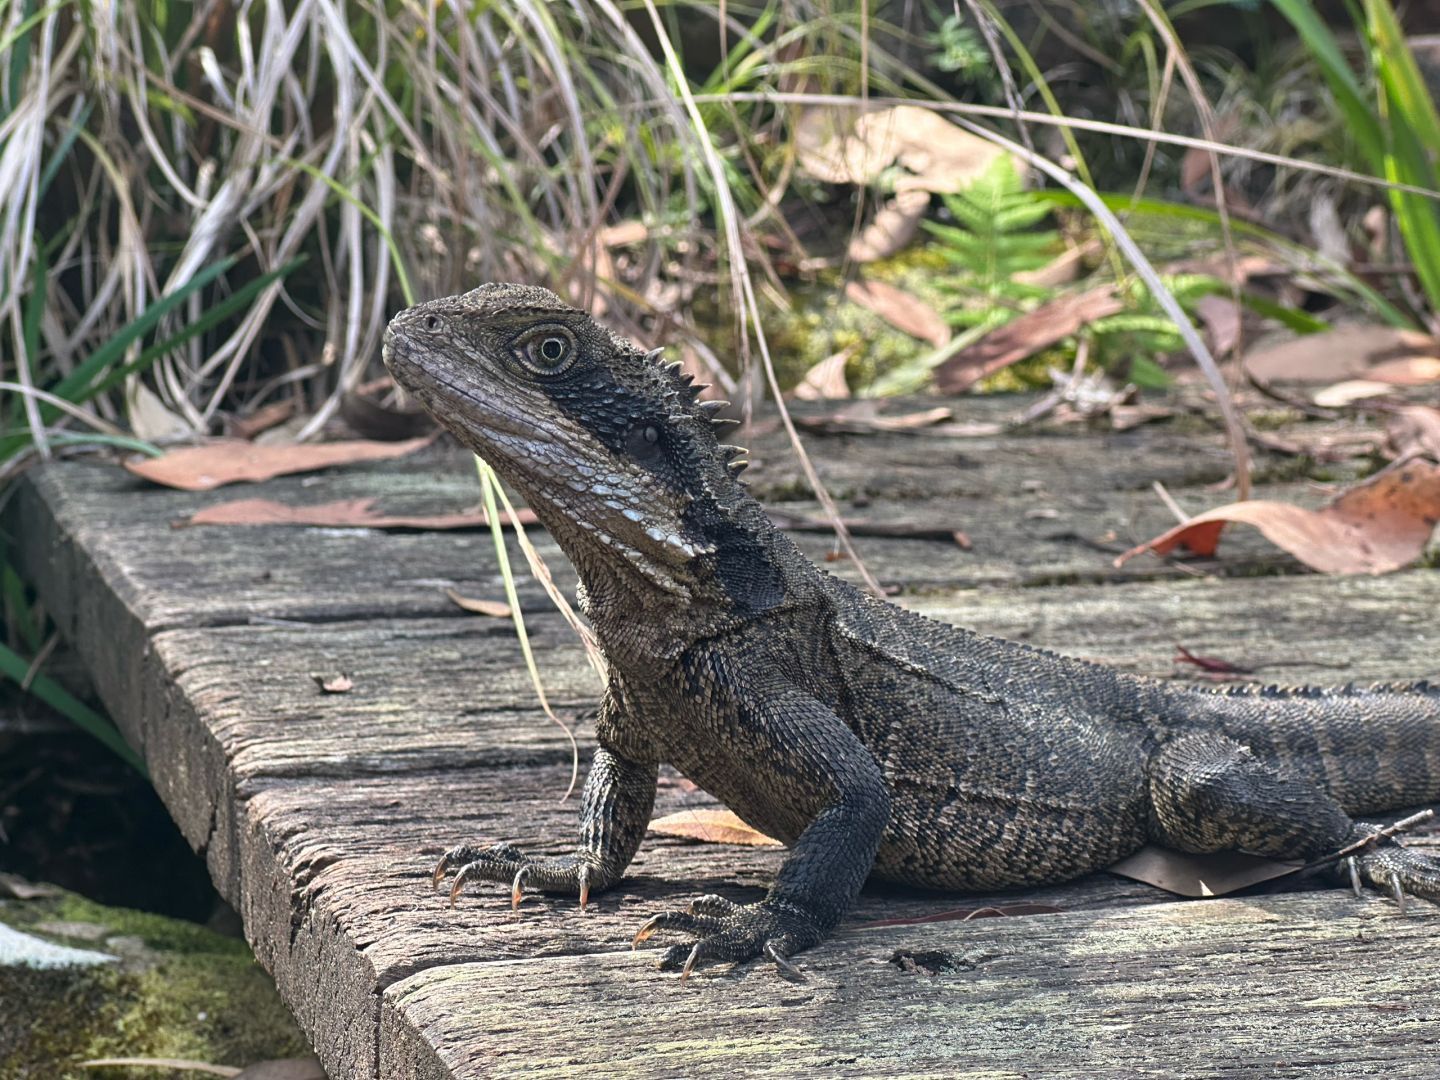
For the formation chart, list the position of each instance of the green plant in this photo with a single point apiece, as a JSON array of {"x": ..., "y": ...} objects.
[
  {"x": 1393, "y": 118},
  {"x": 992, "y": 244}
]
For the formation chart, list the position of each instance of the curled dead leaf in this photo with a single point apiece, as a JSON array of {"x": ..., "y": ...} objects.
[
  {"x": 890, "y": 231},
  {"x": 844, "y": 145},
  {"x": 1376, "y": 526},
  {"x": 711, "y": 827},
  {"x": 336, "y": 683},
  {"x": 496, "y": 609},
  {"x": 826, "y": 380},
  {"x": 231, "y": 461}
]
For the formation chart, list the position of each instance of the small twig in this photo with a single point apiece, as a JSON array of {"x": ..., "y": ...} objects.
[
  {"x": 1374, "y": 838},
  {"x": 1170, "y": 504}
]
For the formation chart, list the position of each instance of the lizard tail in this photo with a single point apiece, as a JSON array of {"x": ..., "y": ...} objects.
[{"x": 1372, "y": 748}]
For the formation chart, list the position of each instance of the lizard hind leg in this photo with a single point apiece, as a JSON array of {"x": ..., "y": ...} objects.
[{"x": 1209, "y": 793}]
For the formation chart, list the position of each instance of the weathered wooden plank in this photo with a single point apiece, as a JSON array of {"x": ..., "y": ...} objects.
[
  {"x": 337, "y": 901},
  {"x": 320, "y": 815},
  {"x": 145, "y": 578},
  {"x": 1297, "y": 986}
]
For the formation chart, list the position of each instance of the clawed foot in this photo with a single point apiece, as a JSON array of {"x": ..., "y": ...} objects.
[
  {"x": 506, "y": 863},
  {"x": 1389, "y": 867},
  {"x": 730, "y": 931}
]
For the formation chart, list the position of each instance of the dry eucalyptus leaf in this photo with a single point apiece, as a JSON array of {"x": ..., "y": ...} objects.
[
  {"x": 1200, "y": 875},
  {"x": 1414, "y": 429},
  {"x": 890, "y": 231},
  {"x": 231, "y": 461},
  {"x": 1377, "y": 526},
  {"x": 1025, "y": 336},
  {"x": 1346, "y": 352},
  {"x": 711, "y": 827},
  {"x": 337, "y": 683},
  {"x": 842, "y": 145},
  {"x": 496, "y": 609},
  {"x": 1338, "y": 395},
  {"x": 902, "y": 310},
  {"x": 826, "y": 380}
]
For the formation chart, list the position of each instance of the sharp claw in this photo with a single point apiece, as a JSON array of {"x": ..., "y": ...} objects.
[
  {"x": 647, "y": 928},
  {"x": 1354, "y": 868},
  {"x": 517, "y": 890},
  {"x": 690, "y": 962},
  {"x": 785, "y": 966},
  {"x": 440, "y": 868},
  {"x": 460, "y": 880},
  {"x": 1398, "y": 892}
]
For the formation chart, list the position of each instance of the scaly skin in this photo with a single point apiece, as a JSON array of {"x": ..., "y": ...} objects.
[{"x": 867, "y": 738}]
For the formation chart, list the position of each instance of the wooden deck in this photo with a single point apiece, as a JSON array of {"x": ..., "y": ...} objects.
[{"x": 321, "y": 815}]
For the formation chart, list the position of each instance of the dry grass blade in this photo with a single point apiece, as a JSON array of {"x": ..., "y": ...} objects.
[{"x": 489, "y": 485}]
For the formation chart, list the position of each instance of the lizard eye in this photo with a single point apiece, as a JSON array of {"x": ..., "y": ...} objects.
[
  {"x": 546, "y": 350},
  {"x": 432, "y": 323}
]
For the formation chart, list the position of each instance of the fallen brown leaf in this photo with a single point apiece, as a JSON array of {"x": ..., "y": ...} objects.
[
  {"x": 1376, "y": 526},
  {"x": 496, "y": 609},
  {"x": 837, "y": 146},
  {"x": 1221, "y": 317},
  {"x": 1064, "y": 269},
  {"x": 262, "y": 419},
  {"x": 1200, "y": 875},
  {"x": 1346, "y": 352},
  {"x": 908, "y": 314},
  {"x": 341, "y": 514},
  {"x": 890, "y": 231},
  {"x": 865, "y": 416},
  {"x": 230, "y": 461},
  {"x": 1025, "y": 336},
  {"x": 711, "y": 827},
  {"x": 1414, "y": 429},
  {"x": 826, "y": 380},
  {"x": 338, "y": 683},
  {"x": 1347, "y": 392}
]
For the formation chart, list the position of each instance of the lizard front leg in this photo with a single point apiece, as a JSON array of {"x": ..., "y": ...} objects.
[
  {"x": 614, "y": 814},
  {"x": 801, "y": 752}
]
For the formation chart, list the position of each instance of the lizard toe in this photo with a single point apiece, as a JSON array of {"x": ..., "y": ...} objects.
[
  {"x": 1400, "y": 870},
  {"x": 508, "y": 865},
  {"x": 734, "y": 932}
]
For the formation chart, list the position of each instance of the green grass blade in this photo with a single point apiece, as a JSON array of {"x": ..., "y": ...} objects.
[
  {"x": 239, "y": 299},
  {"x": 1408, "y": 113},
  {"x": 76, "y": 382},
  {"x": 1352, "y": 100},
  {"x": 15, "y": 667}
]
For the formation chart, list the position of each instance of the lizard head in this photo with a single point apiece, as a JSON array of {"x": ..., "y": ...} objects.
[{"x": 609, "y": 445}]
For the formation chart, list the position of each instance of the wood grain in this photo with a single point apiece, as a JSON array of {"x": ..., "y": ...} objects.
[{"x": 320, "y": 815}]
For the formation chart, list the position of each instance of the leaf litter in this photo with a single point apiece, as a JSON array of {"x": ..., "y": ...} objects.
[
  {"x": 233, "y": 461},
  {"x": 1374, "y": 527}
]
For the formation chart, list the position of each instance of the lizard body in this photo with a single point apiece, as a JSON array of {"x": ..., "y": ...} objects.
[{"x": 867, "y": 738}]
